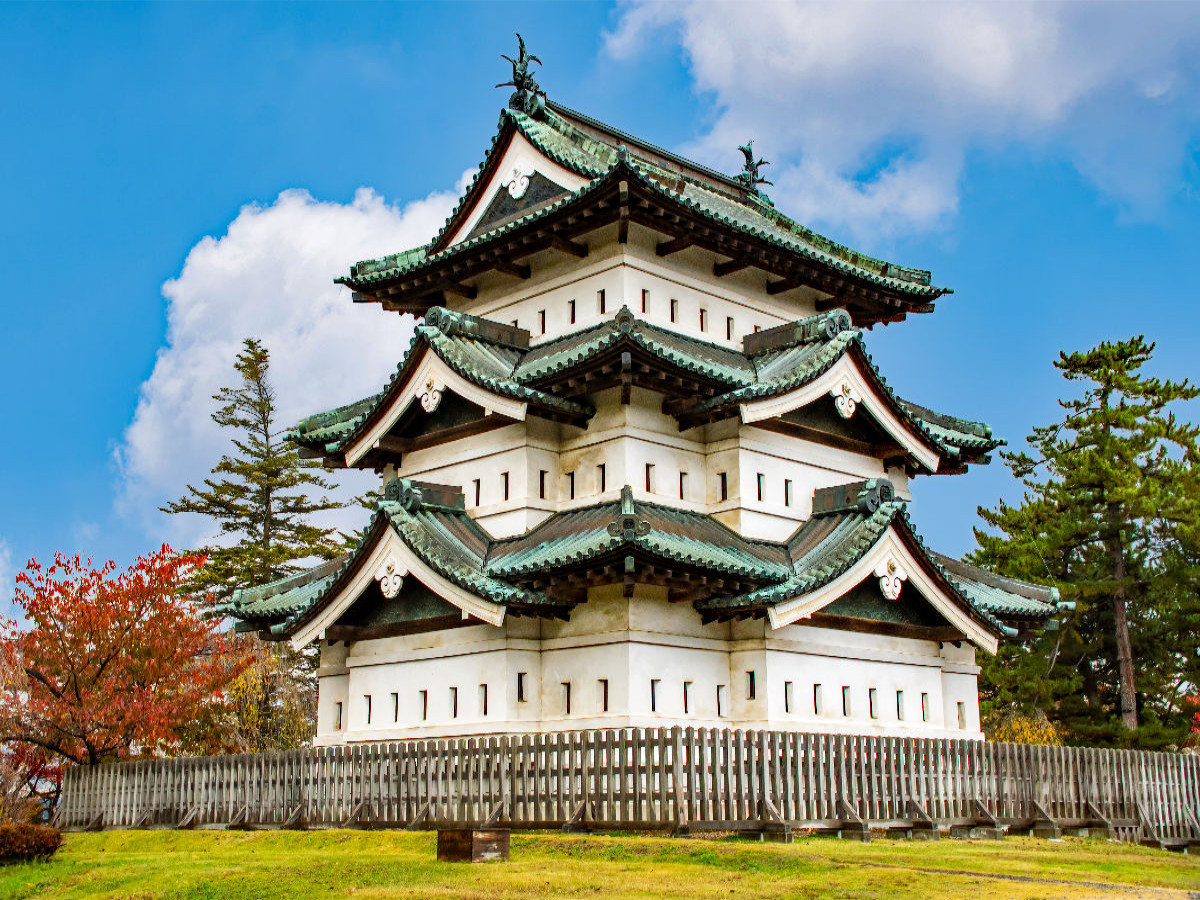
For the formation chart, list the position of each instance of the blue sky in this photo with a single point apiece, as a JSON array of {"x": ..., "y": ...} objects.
[{"x": 176, "y": 177}]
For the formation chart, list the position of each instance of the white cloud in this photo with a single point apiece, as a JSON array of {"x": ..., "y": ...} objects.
[
  {"x": 874, "y": 105},
  {"x": 270, "y": 276}
]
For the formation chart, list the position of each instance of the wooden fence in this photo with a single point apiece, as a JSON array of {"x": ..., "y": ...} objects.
[{"x": 677, "y": 779}]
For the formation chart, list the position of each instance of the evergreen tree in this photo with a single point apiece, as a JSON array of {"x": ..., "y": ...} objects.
[
  {"x": 257, "y": 494},
  {"x": 1110, "y": 515}
]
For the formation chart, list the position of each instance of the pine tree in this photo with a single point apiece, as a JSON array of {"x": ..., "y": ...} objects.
[
  {"x": 1110, "y": 501},
  {"x": 257, "y": 495}
]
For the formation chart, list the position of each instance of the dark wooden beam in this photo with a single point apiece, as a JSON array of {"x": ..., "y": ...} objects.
[
  {"x": 680, "y": 243},
  {"x": 720, "y": 270},
  {"x": 787, "y": 284},
  {"x": 892, "y": 629},
  {"x": 351, "y": 633},
  {"x": 558, "y": 242},
  {"x": 830, "y": 439},
  {"x": 446, "y": 286},
  {"x": 516, "y": 270},
  {"x": 623, "y": 213}
]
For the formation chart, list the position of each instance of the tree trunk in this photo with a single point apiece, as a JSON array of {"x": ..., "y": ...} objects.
[{"x": 1128, "y": 689}]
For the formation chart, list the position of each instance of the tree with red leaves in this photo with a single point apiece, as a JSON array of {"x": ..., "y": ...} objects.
[{"x": 109, "y": 664}]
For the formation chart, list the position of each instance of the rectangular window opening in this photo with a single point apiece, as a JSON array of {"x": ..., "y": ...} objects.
[
  {"x": 516, "y": 324},
  {"x": 521, "y": 686},
  {"x": 757, "y": 328},
  {"x": 750, "y": 686},
  {"x": 454, "y": 703},
  {"x": 721, "y": 689},
  {"x": 845, "y": 700},
  {"x": 924, "y": 707},
  {"x": 871, "y": 703},
  {"x": 395, "y": 707},
  {"x": 600, "y": 479},
  {"x": 723, "y": 478},
  {"x": 761, "y": 480},
  {"x": 899, "y": 706},
  {"x": 962, "y": 716},
  {"x": 424, "y": 705},
  {"x": 571, "y": 311},
  {"x": 504, "y": 483},
  {"x": 787, "y": 696},
  {"x": 645, "y": 301},
  {"x": 787, "y": 492},
  {"x": 571, "y": 485},
  {"x": 816, "y": 700},
  {"x": 477, "y": 492},
  {"x": 729, "y": 328},
  {"x": 600, "y": 301},
  {"x": 603, "y": 695},
  {"x": 483, "y": 700},
  {"x": 649, "y": 478},
  {"x": 542, "y": 476},
  {"x": 703, "y": 319},
  {"x": 687, "y": 697},
  {"x": 337, "y": 716},
  {"x": 566, "y": 693},
  {"x": 541, "y": 321},
  {"x": 674, "y": 309},
  {"x": 654, "y": 694},
  {"x": 367, "y": 697},
  {"x": 683, "y": 485}
]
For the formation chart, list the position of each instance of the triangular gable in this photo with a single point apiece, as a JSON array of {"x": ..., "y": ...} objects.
[
  {"x": 429, "y": 376},
  {"x": 510, "y": 169},
  {"x": 383, "y": 566},
  {"x": 898, "y": 565},
  {"x": 855, "y": 390}
]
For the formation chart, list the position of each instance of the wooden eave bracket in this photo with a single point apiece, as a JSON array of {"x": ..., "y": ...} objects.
[{"x": 566, "y": 245}]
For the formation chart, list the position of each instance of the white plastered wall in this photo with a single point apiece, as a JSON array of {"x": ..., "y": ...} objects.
[{"x": 630, "y": 643}]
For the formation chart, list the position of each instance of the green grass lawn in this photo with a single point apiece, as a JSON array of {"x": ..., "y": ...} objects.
[{"x": 319, "y": 864}]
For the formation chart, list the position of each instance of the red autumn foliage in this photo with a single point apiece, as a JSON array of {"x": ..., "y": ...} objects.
[
  {"x": 24, "y": 841},
  {"x": 109, "y": 664}
]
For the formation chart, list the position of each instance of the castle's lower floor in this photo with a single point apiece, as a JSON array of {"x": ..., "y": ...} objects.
[{"x": 643, "y": 661}]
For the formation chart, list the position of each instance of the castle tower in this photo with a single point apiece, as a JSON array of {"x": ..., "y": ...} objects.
[{"x": 638, "y": 469}]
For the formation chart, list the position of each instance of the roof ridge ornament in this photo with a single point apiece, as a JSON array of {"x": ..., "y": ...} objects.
[
  {"x": 625, "y": 319},
  {"x": 527, "y": 96},
  {"x": 750, "y": 176},
  {"x": 627, "y": 525}
]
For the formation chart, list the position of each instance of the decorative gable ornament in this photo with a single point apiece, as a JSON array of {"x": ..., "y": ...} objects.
[
  {"x": 518, "y": 182},
  {"x": 390, "y": 578},
  {"x": 431, "y": 396},
  {"x": 846, "y": 399},
  {"x": 891, "y": 577}
]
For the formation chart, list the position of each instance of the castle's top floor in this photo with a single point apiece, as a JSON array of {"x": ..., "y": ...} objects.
[{"x": 556, "y": 185}]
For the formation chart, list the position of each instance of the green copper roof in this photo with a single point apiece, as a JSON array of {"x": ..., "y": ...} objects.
[
  {"x": 830, "y": 543},
  {"x": 711, "y": 361},
  {"x": 624, "y": 525},
  {"x": 595, "y": 154},
  {"x": 780, "y": 360},
  {"x": 486, "y": 363},
  {"x": 846, "y": 524},
  {"x": 444, "y": 536}
]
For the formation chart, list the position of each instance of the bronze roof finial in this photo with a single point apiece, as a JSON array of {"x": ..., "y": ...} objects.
[
  {"x": 528, "y": 96},
  {"x": 750, "y": 175}
]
